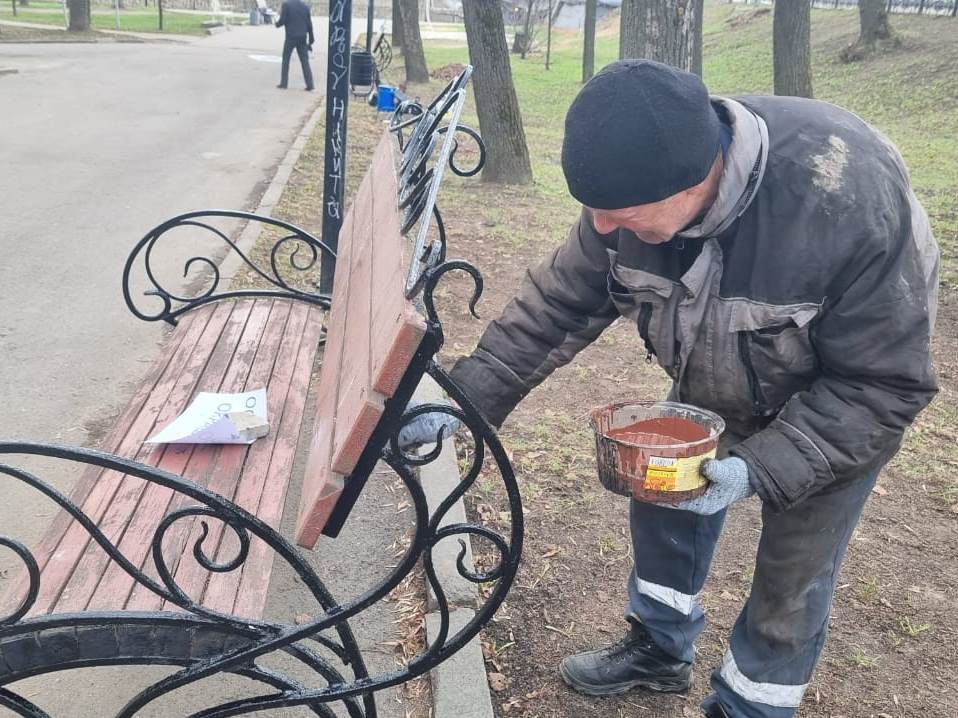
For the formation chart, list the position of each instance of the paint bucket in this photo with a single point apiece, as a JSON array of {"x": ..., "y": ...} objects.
[
  {"x": 652, "y": 451},
  {"x": 386, "y": 101}
]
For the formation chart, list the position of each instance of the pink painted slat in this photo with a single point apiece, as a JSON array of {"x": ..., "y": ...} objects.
[
  {"x": 160, "y": 403},
  {"x": 357, "y": 410},
  {"x": 269, "y": 465},
  {"x": 324, "y": 426},
  {"x": 204, "y": 463},
  {"x": 92, "y": 565},
  {"x": 207, "y": 464},
  {"x": 259, "y": 565},
  {"x": 115, "y": 584}
]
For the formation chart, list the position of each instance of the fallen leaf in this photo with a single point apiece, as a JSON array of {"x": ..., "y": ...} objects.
[
  {"x": 728, "y": 596},
  {"x": 954, "y": 509},
  {"x": 553, "y": 551},
  {"x": 880, "y": 490},
  {"x": 498, "y": 682}
]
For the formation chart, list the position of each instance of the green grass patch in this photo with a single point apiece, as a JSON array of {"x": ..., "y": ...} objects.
[{"x": 131, "y": 20}]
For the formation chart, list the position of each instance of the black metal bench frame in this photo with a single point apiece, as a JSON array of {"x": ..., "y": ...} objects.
[{"x": 206, "y": 643}]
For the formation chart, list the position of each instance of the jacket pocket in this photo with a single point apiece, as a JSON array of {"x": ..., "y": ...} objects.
[
  {"x": 777, "y": 354},
  {"x": 652, "y": 307}
]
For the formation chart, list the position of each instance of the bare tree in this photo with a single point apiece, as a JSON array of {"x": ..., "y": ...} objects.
[
  {"x": 79, "y": 15},
  {"x": 413, "y": 55},
  {"x": 500, "y": 122},
  {"x": 397, "y": 33},
  {"x": 588, "y": 46},
  {"x": 632, "y": 28},
  {"x": 791, "y": 48},
  {"x": 873, "y": 18},
  {"x": 668, "y": 31}
]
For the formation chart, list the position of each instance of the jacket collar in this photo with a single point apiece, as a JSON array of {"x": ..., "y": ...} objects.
[{"x": 744, "y": 168}]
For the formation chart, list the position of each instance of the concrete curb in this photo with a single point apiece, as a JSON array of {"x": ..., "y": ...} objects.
[
  {"x": 274, "y": 192},
  {"x": 460, "y": 688}
]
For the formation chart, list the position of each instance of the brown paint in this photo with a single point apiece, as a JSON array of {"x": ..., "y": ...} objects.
[{"x": 657, "y": 432}]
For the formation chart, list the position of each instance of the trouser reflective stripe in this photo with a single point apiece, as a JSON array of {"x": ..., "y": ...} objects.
[
  {"x": 772, "y": 694},
  {"x": 780, "y": 632},
  {"x": 673, "y": 550},
  {"x": 681, "y": 602}
]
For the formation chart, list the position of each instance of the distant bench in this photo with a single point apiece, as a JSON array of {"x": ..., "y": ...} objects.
[{"x": 163, "y": 555}]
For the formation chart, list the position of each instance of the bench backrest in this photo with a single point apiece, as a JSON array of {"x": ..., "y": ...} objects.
[{"x": 373, "y": 333}]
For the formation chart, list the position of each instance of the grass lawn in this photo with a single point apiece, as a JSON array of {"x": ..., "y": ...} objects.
[{"x": 138, "y": 20}]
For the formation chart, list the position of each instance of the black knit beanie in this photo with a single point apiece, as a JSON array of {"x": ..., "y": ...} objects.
[{"x": 638, "y": 132}]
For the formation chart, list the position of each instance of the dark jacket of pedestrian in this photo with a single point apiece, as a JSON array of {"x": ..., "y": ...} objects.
[{"x": 295, "y": 18}]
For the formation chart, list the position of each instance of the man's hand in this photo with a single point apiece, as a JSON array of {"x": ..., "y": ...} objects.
[
  {"x": 424, "y": 428},
  {"x": 729, "y": 484}
]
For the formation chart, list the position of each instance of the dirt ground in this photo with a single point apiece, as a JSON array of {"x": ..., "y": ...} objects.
[{"x": 894, "y": 631}]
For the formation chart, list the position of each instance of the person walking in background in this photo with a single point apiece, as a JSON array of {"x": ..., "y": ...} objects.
[{"x": 294, "y": 16}]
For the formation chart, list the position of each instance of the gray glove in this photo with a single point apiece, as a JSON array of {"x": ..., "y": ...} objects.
[
  {"x": 424, "y": 428},
  {"x": 729, "y": 484}
]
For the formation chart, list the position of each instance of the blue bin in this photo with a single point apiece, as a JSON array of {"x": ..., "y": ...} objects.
[{"x": 387, "y": 98}]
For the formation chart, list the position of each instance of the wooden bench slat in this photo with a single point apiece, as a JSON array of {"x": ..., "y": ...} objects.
[
  {"x": 244, "y": 592},
  {"x": 316, "y": 474},
  {"x": 116, "y": 585},
  {"x": 370, "y": 317},
  {"x": 207, "y": 465},
  {"x": 92, "y": 565},
  {"x": 249, "y": 486},
  {"x": 358, "y": 409},
  {"x": 74, "y": 541}
]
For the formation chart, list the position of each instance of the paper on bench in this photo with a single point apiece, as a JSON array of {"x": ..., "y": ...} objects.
[{"x": 207, "y": 420}]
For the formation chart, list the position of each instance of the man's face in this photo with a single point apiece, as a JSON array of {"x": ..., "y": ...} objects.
[{"x": 658, "y": 222}]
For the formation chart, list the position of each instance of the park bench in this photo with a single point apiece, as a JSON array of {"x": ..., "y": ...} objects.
[{"x": 163, "y": 555}]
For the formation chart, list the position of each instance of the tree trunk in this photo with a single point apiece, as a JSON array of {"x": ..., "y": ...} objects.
[
  {"x": 397, "y": 34},
  {"x": 698, "y": 40},
  {"x": 79, "y": 15},
  {"x": 500, "y": 122},
  {"x": 668, "y": 31},
  {"x": 415, "y": 59},
  {"x": 632, "y": 26},
  {"x": 873, "y": 16},
  {"x": 791, "y": 48},
  {"x": 588, "y": 47}
]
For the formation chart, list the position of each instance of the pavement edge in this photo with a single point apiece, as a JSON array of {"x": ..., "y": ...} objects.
[{"x": 460, "y": 688}]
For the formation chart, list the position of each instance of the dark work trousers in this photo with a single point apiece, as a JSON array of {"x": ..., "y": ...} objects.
[
  {"x": 780, "y": 632},
  {"x": 302, "y": 49}
]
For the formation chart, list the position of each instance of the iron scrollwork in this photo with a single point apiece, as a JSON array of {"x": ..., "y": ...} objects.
[
  {"x": 222, "y": 643},
  {"x": 294, "y": 254}
]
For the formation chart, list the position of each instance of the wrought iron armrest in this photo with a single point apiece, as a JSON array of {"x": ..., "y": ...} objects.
[{"x": 289, "y": 267}]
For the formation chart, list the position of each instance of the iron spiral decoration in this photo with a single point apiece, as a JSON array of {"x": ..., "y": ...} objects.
[
  {"x": 295, "y": 254},
  {"x": 432, "y": 143},
  {"x": 198, "y": 642}
]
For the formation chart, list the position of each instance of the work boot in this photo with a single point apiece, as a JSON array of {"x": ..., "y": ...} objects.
[
  {"x": 716, "y": 711},
  {"x": 634, "y": 662}
]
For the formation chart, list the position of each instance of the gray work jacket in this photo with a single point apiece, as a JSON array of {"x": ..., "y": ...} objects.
[{"x": 800, "y": 309}]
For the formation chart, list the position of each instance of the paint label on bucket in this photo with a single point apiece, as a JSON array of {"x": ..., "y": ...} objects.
[{"x": 666, "y": 473}]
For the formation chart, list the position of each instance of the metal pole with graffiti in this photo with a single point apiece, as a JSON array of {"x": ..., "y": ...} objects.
[{"x": 337, "y": 105}]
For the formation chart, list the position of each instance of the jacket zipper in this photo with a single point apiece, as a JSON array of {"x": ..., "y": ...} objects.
[
  {"x": 755, "y": 389},
  {"x": 645, "y": 318}
]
